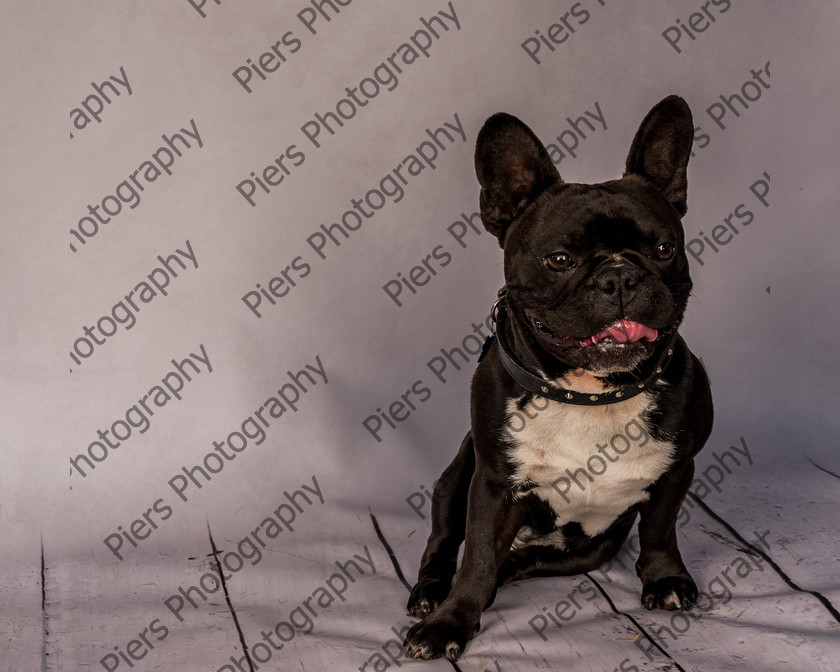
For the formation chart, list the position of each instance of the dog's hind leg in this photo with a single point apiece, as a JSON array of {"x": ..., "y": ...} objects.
[
  {"x": 449, "y": 517},
  {"x": 537, "y": 559}
]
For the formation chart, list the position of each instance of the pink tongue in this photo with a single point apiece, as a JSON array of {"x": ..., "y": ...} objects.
[{"x": 625, "y": 331}]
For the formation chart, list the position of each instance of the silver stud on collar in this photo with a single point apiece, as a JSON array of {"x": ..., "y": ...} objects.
[
  {"x": 544, "y": 388},
  {"x": 569, "y": 395},
  {"x": 619, "y": 394},
  {"x": 594, "y": 397}
]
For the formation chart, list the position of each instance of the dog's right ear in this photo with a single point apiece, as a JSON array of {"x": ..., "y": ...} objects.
[{"x": 512, "y": 167}]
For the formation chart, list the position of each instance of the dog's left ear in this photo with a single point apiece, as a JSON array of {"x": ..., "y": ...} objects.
[
  {"x": 513, "y": 167},
  {"x": 661, "y": 149}
]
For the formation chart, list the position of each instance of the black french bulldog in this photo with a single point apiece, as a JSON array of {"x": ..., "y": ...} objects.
[{"x": 586, "y": 381}]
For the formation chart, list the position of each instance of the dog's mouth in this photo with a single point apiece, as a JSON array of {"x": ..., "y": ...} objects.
[
  {"x": 623, "y": 331},
  {"x": 619, "y": 335}
]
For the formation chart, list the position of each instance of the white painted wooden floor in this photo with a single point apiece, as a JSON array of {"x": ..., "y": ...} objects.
[{"x": 770, "y": 604}]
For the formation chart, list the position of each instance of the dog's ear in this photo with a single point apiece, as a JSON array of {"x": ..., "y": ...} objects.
[
  {"x": 661, "y": 149},
  {"x": 512, "y": 167}
]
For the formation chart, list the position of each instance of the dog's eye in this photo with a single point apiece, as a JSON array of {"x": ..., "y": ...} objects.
[
  {"x": 559, "y": 261},
  {"x": 665, "y": 251}
]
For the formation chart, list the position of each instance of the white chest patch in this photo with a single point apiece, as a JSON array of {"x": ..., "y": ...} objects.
[{"x": 589, "y": 463}]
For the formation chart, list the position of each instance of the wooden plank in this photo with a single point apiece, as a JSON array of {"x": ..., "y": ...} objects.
[
  {"x": 794, "y": 502},
  {"x": 108, "y": 616},
  {"x": 22, "y": 619},
  {"x": 327, "y": 599}
]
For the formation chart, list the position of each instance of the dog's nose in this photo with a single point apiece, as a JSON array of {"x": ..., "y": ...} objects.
[{"x": 618, "y": 278}]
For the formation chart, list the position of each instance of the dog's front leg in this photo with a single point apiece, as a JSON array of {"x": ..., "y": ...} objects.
[
  {"x": 493, "y": 519},
  {"x": 666, "y": 583}
]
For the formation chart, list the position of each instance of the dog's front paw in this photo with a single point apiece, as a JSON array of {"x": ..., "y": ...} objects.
[
  {"x": 438, "y": 637},
  {"x": 426, "y": 596},
  {"x": 671, "y": 593}
]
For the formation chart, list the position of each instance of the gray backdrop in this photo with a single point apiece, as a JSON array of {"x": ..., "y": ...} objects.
[{"x": 244, "y": 287}]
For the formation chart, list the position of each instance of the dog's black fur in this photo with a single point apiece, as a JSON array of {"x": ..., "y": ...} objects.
[{"x": 577, "y": 259}]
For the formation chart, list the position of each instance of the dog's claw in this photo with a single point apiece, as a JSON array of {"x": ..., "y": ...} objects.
[
  {"x": 672, "y": 593},
  {"x": 422, "y": 608},
  {"x": 436, "y": 639},
  {"x": 454, "y": 651},
  {"x": 426, "y": 597}
]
